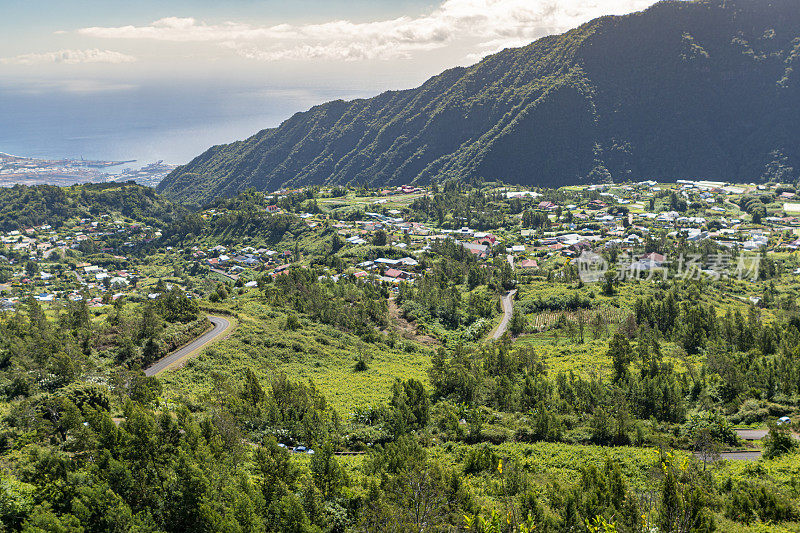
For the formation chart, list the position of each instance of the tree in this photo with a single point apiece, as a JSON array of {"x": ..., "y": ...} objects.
[
  {"x": 278, "y": 474},
  {"x": 415, "y": 494},
  {"x": 31, "y": 268},
  {"x": 42, "y": 519},
  {"x": 151, "y": 351},
  {"x": 175, "y": 306},
  {"x": 379, "y": 238},
  {"x": 409, "y": 407},
  {"x": 758, "y": 214},
  {"x": 143, "y": 389},
  {"x": 609, "y": 280},
  {"x": 707, "y": 447},
  {"x": 621, "y": 354},
  {"x": 252, "y": 393},
  {"x": 683, "y": 500},
  {"x": 151, "y": 323},
  {"x": 693, "y": 329},
  {"x": 328, "y": 474},
  {"x": 601, "y": 424},
  {"x": 598, "y": 325},
  {"x": 519, "y": 322}
]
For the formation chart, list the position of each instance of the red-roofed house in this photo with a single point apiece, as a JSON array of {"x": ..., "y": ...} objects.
[
  {"x": 395, "y": 273},
  {"x": 654, "y": 257}
]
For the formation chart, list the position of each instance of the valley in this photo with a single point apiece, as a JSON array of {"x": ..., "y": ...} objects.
[{"x": 511, "y": 336}]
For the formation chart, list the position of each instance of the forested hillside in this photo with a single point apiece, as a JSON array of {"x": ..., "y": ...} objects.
[
  {"x": 683, "y": 89},
  {"x": 22, "y": 206}
]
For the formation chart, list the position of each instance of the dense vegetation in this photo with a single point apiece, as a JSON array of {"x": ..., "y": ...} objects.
[
  {"x": 605, "y": 407},
  {"x": 474, "y": 452},
  {"x": 22, "y": 206},
  {"x": 704, "y": 89}
]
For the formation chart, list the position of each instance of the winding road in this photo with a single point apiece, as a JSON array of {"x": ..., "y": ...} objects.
[
  {"x": 508, "y": 309},
  {"x": 220, "y": 326}
]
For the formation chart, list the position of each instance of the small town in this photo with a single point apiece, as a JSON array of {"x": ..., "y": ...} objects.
[{"x": 47, "y": 263}]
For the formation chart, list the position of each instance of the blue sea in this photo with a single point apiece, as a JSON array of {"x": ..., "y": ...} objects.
[{"x": 147, "y": 123}]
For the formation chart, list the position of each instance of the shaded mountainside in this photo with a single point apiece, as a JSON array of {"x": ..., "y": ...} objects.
[{"x": 684, "y": 89}]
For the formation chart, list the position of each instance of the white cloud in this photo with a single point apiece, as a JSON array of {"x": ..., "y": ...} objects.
[
  {"x": 70, "y": 57},
  {"x": 479, "y": 26}
]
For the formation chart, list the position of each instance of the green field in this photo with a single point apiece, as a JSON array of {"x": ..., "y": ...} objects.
[{"x": 314, "y": 352}]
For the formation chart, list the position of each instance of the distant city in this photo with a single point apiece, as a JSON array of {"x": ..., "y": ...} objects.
[{"x": 19, "y": 170}]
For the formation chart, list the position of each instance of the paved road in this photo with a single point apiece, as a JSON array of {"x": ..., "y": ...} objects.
[
  {"x": 751, "y": 434},
  {"x": 221, "y": 325},
  {"x": 508, "y": 310}
]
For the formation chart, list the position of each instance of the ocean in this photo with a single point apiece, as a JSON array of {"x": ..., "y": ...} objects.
[{"x": 173, "y": 123}]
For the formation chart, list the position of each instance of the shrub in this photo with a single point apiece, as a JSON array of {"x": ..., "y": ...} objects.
[
  {"x": 750, "y": 501},
  {"x": 720, "y": 428},
  {"x": 750, "y": 412},
  {"x": 480, "y": 459},
  {"x": 87, "y": 395},
  {"x": 778, "y": 441}
]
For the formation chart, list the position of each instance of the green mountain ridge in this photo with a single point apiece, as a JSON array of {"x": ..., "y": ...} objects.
[{"x": 702, "y": 89}]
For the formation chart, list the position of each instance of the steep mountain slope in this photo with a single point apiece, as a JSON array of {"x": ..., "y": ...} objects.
[{"x": 684, "y": 89}]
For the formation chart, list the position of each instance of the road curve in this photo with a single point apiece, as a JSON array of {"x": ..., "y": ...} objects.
[
  {"x": 508, "y": 310},
  {"x": 220, "y": 326}
]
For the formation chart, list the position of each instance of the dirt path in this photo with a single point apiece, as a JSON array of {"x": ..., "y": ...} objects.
[
  {"x": 221, "y": 325},
  {"x": 407, "y": 329},
  {"x": 508, "y": 309},
  {"x": 234, "y": 277}
]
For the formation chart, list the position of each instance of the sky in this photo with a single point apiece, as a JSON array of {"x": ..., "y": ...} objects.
[{"x": 248, "y": 63}]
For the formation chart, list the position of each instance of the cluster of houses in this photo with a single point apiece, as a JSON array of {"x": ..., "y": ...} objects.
[
  {"x": 66, "y": 284},
  {"x": 392, "y": 271},
  {"x": 597, "y": 223},
  {"x": 41, "y": 241},
  {"x": 35, "y": 263},
  {"x": 619, "y": 216},
  {"x": 403, "y": 189},
  {"x": 232, "y": 262}
]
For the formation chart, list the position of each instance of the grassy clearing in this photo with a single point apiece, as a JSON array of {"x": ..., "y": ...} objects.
[{"x": 313, "y": 352}]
